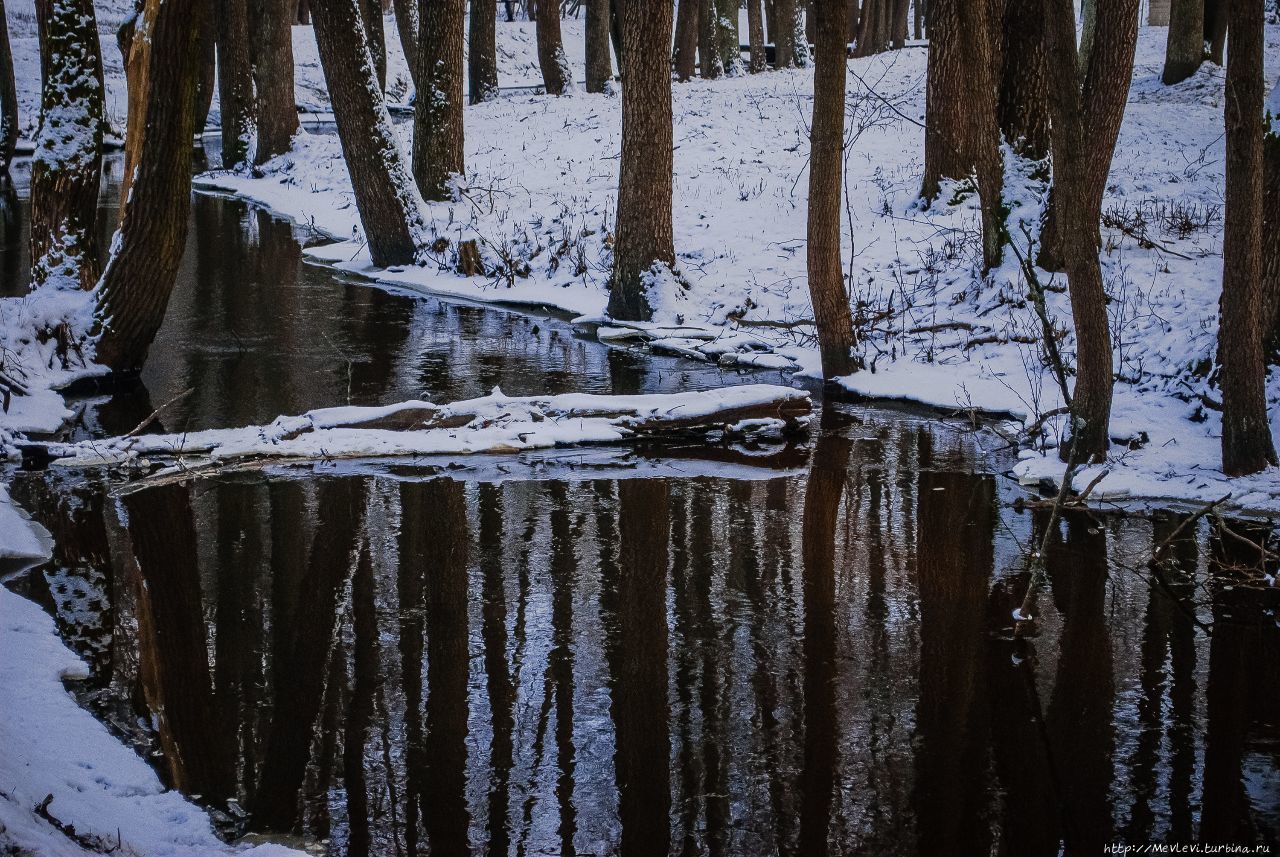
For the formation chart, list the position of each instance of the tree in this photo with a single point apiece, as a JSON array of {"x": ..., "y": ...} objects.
[
  {"x": 437, "y": 113},
  {"x": 1271, "y": 221},
  {"x": 643, "y": 234},
  {"x": 371, "y": 12},
  {"x": 709, "y": 58},
  {"x": 556, "y": 76},
  {"x": 235, "y": 81},
  {"x": 8, "y": 97},
  {"x": 389, "y": 204},
  {"x": 961, "y": 134},
  {"x": 799, "y": 39},
  {"x": 1024, "y": 97},
  {"x": 406, "y": 14},
  {"x": 1215, "y": 29},
  {"x": 726, "y": 12},
  {"x": 599, "y": 63},
  {"x": 273, "y": 77},
  {"x": 686, "y": 41},
  {"x": 783, "y": 31},
  {"x": 1247, "y": 446},
  {"x": 66, "y": 168},
  {"x": 139, "y": 275},
  {"x": 482, "y": 53},
  {"x": 1091, "y": 399},
  {"x": 826, "y": 168},
  {"x": 1184, "y": 50},
  {"x": 755, "y": 37}
]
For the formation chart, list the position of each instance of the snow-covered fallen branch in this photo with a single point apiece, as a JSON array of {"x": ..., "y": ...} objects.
[{"x": 492, "y": 424}]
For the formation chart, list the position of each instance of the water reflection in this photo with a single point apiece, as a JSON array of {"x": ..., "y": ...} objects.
[{"x": 810, "y": 664}]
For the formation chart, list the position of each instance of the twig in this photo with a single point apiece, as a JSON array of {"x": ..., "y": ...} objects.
[{"x": 142, "y": 426}]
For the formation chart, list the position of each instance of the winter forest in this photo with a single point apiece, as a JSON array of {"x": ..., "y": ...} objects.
[{"x": 639, "y": 427}]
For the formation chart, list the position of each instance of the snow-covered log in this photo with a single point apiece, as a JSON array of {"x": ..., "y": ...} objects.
[{"x": 493, "y": 424}]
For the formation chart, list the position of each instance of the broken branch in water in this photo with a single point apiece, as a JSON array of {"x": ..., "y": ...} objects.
[{"x": 492, "y": 424}]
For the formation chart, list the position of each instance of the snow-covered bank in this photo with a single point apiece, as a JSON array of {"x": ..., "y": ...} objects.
[{"x": 49, "y": 745}]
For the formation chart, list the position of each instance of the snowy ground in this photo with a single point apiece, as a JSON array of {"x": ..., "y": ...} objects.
[{"x": 540, "y": 187}]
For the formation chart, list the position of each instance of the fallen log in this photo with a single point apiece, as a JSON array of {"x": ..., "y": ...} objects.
[{"x": 492, "y": 424}]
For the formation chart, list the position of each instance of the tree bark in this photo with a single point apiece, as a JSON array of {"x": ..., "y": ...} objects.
[
  {"x": 784, "y": 33},
  {"x": 406, "y": 12},
  {"x": 799, "y": 40},
  {"x": 726, "y": 12},
  {"x": 139, "y": 276},
  {"x": 961, "y": 133},
  {"x": 235, "y": 81},
  {"x": 8, "y": 97},
  {"x": 1091, "y": 400},
  {"x": 827, "y": 291},
  {"x": 371, "y": 13},
  {"x": 1024, "y": 95},
  {"x": 1215, "y": 29},
  {"x": 709, "y": 59},
  {"x": 66, "y": 169},
  {"x": 207, "y": 76},
  {"x": 898, "y": 25},
  {"x": 755, "y": 37},
  {"x": 556, "y": 75},
  {"x": 1088, "y": 29},
  {"x": 1184, "y": 50},
  {"x": 437, "y": 114},
  {"x": 390, "y": 206},
  {"x": 643, "y": 237},
  {"x": 482, "y": 53},
  {"x": 1271, "y": 226},
  {"x": 273, "y": 77},
  {"x": 686, "y": 41},
  {"x": 1247, "y": 446},
  {"x": 599, "y": 63}
]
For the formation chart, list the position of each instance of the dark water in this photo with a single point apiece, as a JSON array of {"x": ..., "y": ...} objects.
[{"x": 815, "y": 655}]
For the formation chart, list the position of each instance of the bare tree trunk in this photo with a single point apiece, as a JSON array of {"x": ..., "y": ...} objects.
[
  {"x": 1215, "y": 29},
  {"x": 139, "y": 276},
  {"x": 437, "y": 115},
  {"x": 962, "y": 136},
  {"x": 207, "y": 76},
  {"x": 371, "y": 13},
  {"x": 1247, "y": 446},
  {"x": 1088, "y": 28},
  {"x": 726, "y": 12},
  {"x": 709, "y": 59},
  {"x": 1184, "y": 50},
  {"x": 643, "y": 234},
  {"x": 686, "y": 43},
  {"x": 273, "y": 77},
  {"x": 1271, "y": 227},
  {"x": 66, "y": 169},
  {"x": 389, "y": 204},
  {"x": 782, "y": 28},
  {"x": 917, "y": 10},
  {"x": 557, "y": 78},
  {"x": 755, "y": 36},
  {"x": 304, "y": 12},
  {"x": 1024, "y": 94},
  {"x": 1091, "y": 400},
  {"x": 235, "y": 81},
  {"x": 799, "y": 39},
  {"x": 898, "y": 24},
  {"x": 406, "y": 12},
  {"x": 599, "y": 63},
  {"x": 869, "y": 28},
  {"x": 482, "y": 54},
  {"x": 8, "y": 97},
  {"x": 826, "y": 169}
]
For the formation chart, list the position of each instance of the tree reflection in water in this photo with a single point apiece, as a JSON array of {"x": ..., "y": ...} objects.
[{"x": 821, "y": 662}]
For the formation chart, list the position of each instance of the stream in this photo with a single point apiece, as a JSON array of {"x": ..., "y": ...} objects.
[{"x": 803, "y": 653}]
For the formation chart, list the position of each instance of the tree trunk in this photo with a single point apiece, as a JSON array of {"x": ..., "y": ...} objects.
[
  {"x": 1091, "y": 400},
  {"x": 437, "y": 114},
  {"x": 599, "y": 63},
  {"x": 390, "y": 206},
  {"x": 898, "y": 24},
  {"x": 1105, "y": 93},
  {"x": 826, "y": 168},
  {"x": 1024, "y": 96},
  {"x": 917, "y": 10},
  {"x": 962, "y": 137},
  {"x": 235, "y": 81},
  {"x": 67, "y": 166},
  {"x": 406, "y": 12},
  {"x": 1271, "y": 226},
  {"x": 1184, "y": 50},
  {"x": 686, "y": 44},
  {"x": 139, "y": 275},
  {"x": 726, "y": 13},
  {"x": 799, "y": 40},
  {"x": 755, "y": 36},
  {"x": 557, "y": 78},
  {"x": 207, "y": 76},
  {"x": 8, "y": 97},
  {"x": 782, "y": 28},
  {"x": 868, "y": 41},
  {"x": 482, "y": 54},
  {"x": 371, "y": 14},
  {"x": 1215, "y": 29},
  {"x": 643, "y": 235},
  {"x": 709, "y": 59},
  {"x": 1247, "y": 446},
  {"x": 273, "y": 77},
  {"x": 1088, "y": 28}
]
